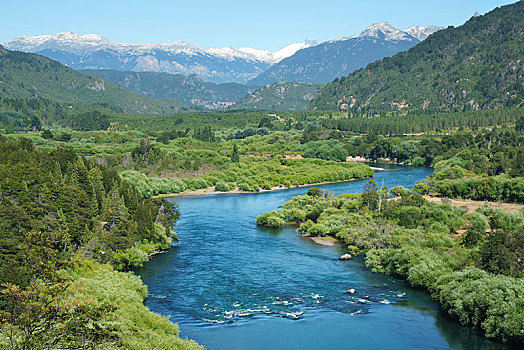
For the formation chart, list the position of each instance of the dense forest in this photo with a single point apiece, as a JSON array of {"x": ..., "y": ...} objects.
[
  {"x": 66, "y": 225},
  {"x": 280, "y": 96},
  {"x": 475, "y": 66}
]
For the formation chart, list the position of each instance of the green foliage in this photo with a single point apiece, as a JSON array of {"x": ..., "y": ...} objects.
[
  {"x": 58, "y": 209},
  {"x": 137, "y": 327},
  {"x": 247, "y": 132},
  {"x": 235, "y": 158},
  {"x": 251, "y": 174},
  {"x": 400, "y": 191},
  {"x": 491, "y": 303},
  {"x": 204, "y": 134},
  {"x": 222, "y": 187},
  {"x": 280, "y": 96},
  {"x": 478, "y": 224},
  {"x": 328, "y": 150},
  {"x": 90, "y": 121},
  {"x": 314, "y": 192},
  {"x": 502, "y": 253},
  {"x": 273, "y": 219}
]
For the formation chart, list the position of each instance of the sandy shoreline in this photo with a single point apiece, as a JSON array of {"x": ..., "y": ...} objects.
[
  {"x": 211, "y": 190},
  {"x": 327, "y": 241}
]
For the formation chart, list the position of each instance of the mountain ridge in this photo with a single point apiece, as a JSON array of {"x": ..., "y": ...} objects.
[
  {"x": 93, "y": 51},
  {"x": 333, "y": 59},
  {"x": 26, "y": 75},
  {"x": 188, "y": 89}
]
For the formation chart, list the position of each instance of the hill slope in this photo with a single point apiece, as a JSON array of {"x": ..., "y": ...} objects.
[
  {"x": 188, "y": 89},
  {"x": 478, "y": 65},
  {"x": 26, "y": 75},
  {"x": 333, "y": 59},
  {"x": 280, "y": 96}
]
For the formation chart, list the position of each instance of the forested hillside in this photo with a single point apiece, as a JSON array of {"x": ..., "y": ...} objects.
[
  {"x": 280, "y": 96},
  {"x": 188, "y": 89},
  {"x": 26, "y": 75},
  {"x": 475, "y": 66}
]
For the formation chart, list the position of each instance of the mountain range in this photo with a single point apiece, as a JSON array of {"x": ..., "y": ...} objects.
[
  {"x": 307, "y": 61},
  {"x": 478, "y": 65},
  {"x": 93, "y": 51},
  {"x": 333, "y": 59}
]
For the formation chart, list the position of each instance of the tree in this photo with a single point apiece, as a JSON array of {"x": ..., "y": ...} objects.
[
  {"x": 47, "y": 134},
  {"x": 235, "y": 158},
  {"x": 503, "y": 252},
  {"x": 478, "y": 224},
  {"x": 520, "y": 124},
  {"x": 45, "y": 313},
  {"x": 370, "y": 195}
]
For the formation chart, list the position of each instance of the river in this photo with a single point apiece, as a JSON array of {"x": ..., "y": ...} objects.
[{"x": 232, "y": 285}]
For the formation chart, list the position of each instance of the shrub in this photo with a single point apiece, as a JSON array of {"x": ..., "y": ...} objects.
[
  {"x": 271, "y": 219},
  {"x": 222, "y": 187}
]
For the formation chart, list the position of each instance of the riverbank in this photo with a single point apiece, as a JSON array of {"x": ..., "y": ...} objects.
[{"x": 211, "y": 190}]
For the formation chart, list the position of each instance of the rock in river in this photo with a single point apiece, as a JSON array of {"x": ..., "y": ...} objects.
[{"x": 345, "y": 257}]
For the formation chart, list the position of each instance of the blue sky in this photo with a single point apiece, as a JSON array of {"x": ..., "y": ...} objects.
[{"x": 265, "y": 24}]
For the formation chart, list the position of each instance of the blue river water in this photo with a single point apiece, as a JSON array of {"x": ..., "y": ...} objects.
[{"x": 232, "y": 285}]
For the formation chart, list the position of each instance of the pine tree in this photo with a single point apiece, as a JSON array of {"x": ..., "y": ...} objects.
[{"x": 235, "y": 158}]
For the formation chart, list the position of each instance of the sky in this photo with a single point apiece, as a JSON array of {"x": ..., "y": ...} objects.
[{"x": 263, "y": 24}]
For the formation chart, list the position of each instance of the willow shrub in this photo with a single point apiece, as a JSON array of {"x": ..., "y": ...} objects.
[
  {"x": 493, "y": 303},
  {"x": 273, "y": 219}
]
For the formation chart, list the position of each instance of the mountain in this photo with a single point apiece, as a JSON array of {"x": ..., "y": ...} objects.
[
  {"x": 280, "y": 96},
  {"x": 188, "y": 89},
  {"x": 26, "y": 75},
  {"x": 93, "y": 51},
  {"x": 478, "y": 65},
  {"x": 422, "y": 32},
  {"x": 332, "y": 59}
]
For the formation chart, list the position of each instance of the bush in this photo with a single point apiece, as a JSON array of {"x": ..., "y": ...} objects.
[
  {"x": 400, "y": 191},
  {"x": 222, "y": 187},
  {"x": 273, "y": 219},
  {"x": 315, "y": 192},
  {"x": 244, "y": 186}
]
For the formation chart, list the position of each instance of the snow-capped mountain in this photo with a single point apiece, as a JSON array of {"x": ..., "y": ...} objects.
[
  {"x": 93, "y": 51},
  {"x": 332, "y": 59},
  {"x": 422, "y": 32},
  {"x": 307, "y": 61},
  {"x": 384, "y": 31}
]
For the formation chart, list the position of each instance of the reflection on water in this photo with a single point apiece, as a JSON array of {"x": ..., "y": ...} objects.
[{"x": 232, "y": 285}]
